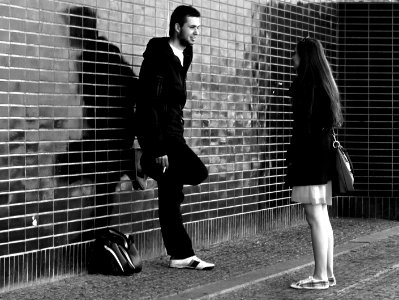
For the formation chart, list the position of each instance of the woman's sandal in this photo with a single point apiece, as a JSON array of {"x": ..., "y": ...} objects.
[
  {"x": 332, "y": 281},
  {"x": 311, "y": 284}
]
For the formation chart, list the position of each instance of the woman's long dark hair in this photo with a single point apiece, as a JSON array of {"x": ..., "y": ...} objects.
[{"x": 314, "y": 69}]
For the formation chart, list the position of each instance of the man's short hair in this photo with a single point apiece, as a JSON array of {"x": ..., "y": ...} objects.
[{"x": 179, "y": 16}]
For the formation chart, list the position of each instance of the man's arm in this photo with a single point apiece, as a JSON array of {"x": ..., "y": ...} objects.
[{"x": 151, "y": 108}]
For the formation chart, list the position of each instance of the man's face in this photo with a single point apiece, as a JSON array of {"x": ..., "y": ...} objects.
[{"x": 189, "y": 32}]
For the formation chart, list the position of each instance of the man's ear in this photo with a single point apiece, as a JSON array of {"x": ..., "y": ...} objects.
[{"x": 177, "y": 28}]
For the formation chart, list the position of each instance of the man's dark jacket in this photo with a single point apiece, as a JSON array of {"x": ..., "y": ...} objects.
[{"x": 163, "y": 95}]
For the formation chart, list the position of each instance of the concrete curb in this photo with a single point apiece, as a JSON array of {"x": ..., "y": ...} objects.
[
  {"x": 218, "y": 288},
  {"x": 378, "y": 236}
]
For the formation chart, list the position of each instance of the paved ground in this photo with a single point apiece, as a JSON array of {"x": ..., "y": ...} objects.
[
  {"x": 370, "y": 272},
  {"x": 270, "y": 251}
]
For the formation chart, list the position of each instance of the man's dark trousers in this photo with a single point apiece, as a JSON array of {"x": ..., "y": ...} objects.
[{"x": 185, "y": 167}]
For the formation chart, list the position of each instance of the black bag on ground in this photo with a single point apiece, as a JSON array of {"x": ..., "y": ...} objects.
[{"x": 113, "y": 253}]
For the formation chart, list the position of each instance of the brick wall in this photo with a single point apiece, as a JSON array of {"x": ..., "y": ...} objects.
[
  {"x": 61, "y": 163},
  {"x": 368, "y": 72}
]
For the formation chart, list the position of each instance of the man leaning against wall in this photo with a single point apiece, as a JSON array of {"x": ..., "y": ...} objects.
[{"x": 166, "y": 156}]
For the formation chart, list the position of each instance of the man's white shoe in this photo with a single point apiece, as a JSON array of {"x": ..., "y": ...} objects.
[{"x": 192, "y": 262}]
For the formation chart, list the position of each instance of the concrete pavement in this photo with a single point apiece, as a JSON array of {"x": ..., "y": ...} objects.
[
  {"x": 369, "y": 272},
  {"x": 244, "y": 265},
  {"x": 256, "y": 284}
]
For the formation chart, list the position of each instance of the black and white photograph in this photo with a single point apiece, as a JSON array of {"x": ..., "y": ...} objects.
[{"x": 199, "y": 149}]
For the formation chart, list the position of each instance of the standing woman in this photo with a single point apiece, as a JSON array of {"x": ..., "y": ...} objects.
[{"x": 316, "y": 111}]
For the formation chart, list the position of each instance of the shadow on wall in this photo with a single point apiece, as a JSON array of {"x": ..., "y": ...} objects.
[{"x": 105, "y": 154}]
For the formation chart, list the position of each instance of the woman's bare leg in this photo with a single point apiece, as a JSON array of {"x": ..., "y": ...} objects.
[{"x": 316, "y": 218}]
